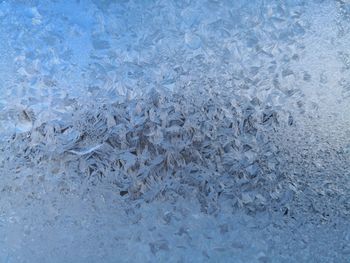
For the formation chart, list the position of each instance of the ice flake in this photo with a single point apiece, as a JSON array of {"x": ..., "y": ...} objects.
[
  {"x": 86, "y": 150},
  {"x": 192, "y": 40}
]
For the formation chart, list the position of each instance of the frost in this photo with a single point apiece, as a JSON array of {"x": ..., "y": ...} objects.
[
  {"x": 143, "y": 131},
  {"x": 166, "y": 143},
  {"x": 192, "y": 40},
  {"x": 86, "y": 150}
]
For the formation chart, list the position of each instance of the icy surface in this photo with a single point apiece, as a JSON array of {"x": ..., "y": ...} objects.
[{"x": 175, "y": 131}]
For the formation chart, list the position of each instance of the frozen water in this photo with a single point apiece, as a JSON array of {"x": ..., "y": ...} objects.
[{"x": 174, "y": 131}]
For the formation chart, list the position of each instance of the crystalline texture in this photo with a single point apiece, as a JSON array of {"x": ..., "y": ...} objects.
[{"x": 153, "y": 131}]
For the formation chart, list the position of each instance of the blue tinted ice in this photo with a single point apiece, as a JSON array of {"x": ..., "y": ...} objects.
[{"x": 174, "y": 131}]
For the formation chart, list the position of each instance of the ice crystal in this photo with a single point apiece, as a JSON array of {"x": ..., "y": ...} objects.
[
  {"x": 143, "y": 131},
  {"x": 163, "y": 143}
]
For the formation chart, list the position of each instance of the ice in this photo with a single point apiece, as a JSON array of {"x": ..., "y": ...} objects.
[
  {"x": 85, "y": 151},
  {"x": 152, "y": 131},
  {"x": 192, "y": 40}
]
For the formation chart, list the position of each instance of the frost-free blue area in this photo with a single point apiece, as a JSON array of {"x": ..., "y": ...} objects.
[{"x": 174, "y": 131}]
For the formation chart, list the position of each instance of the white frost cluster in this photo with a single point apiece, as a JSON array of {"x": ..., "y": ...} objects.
[{"x": 163, "y": 146}]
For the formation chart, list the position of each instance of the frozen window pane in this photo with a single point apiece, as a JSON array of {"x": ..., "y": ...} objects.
[{"x": 155, "y": 131}]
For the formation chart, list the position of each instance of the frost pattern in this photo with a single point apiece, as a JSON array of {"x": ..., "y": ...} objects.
[
  {"x": 162, "y": 146},
  {"x": 143, "y": 131}
]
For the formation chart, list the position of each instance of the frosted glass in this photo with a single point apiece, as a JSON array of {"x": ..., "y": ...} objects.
[{"x": 174, "y": 131}]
